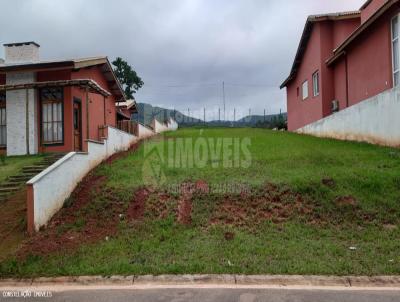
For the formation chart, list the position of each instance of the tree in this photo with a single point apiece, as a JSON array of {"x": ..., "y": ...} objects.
[{"x": 129, "y": 79}]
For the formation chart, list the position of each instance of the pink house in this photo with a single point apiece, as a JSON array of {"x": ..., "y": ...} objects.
[{"x": 343, "y": 59}]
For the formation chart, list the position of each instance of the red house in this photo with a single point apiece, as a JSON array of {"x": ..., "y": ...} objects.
[
  {"x": 54, "y": 106},
  {"x": 343, "y": 59}
]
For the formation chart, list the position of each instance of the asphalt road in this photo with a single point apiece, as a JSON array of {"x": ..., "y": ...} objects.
[{"x": 213, "y": 295}]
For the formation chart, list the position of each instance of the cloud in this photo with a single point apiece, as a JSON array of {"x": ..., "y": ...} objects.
[{"x": 183, "y": 49}]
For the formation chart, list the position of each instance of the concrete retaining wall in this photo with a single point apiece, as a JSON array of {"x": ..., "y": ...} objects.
[
  {"x": 159, "y": 127},
  {"x": 375, "y": 120},
  {"x": 172, "y": 125},
  {"x": 48, "y": 190},
  {"x": 144, "y": 131}
]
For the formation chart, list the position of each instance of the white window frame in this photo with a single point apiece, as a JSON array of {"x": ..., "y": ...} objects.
[
  {"x": 304, "y": 90},
  {"x": 315, "y": 81},
  {"x": 393, "y": 41}
]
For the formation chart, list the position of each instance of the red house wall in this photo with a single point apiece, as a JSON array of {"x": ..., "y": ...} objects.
[
  {"x": 370, "y": 61},
  {"x": 371, "y": 9},
  {"x": 342, "y": 29},
  {"x": 364, "y": 71},
  {"x": 302, "y": 112},
  {"x": 325, "y": 36},
  {"x": 326, "y": 74},
  {"x": 340, "y": 83},
  {"x": 97, "y": 115}
]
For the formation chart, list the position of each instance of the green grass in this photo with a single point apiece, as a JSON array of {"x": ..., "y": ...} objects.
[
  {"x": 316, "y": 243},
  {"x": 12, "y": 165}
]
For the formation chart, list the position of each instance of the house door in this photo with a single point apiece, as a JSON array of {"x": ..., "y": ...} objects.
[{"x": 77, "y": 126}]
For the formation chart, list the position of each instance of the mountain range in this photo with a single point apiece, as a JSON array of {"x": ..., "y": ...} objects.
[{"x": 146, "y": 113}]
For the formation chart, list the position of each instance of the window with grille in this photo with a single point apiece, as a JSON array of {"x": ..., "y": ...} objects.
[
  {"x": 52, "y": 115},
  {"x": 3, "y": 120}
]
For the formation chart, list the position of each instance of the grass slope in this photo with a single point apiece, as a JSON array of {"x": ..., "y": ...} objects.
[
  {"x": 304, "y": 242},
  {"x": 13, "y": 164}
]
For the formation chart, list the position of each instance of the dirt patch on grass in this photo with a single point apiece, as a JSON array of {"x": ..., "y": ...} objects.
[
  {"x": 329, "y": 182},
  {"x": 160, "y": 205},
  {"x": 268, "y": 204},
  {"x": 137, "y": 206},
  {"x": 78, "y": 222},
  {"x": 13, "y": 223},
  {"x": 184, "y": 213},
  {"x": 229, "y": 236},
  {"x": 346, "y": 201},
  {"x": 91, "y": 214},
  {"x": 202, "y": 187}
]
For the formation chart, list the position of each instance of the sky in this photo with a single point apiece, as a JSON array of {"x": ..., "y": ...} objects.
[{"x": 182, "y": 49}]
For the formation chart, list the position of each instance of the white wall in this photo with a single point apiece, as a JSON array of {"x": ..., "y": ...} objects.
[
  {"x": 159, "y": 127},
  {"x": 172, "y": 125},
  {"x": 144, "y": 131},
  {"x": 16, "y": 116},
  {"x": 375, "y": 120},
  {"x": 55, "y": 184}
]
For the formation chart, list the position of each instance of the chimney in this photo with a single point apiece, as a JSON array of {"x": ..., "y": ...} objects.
[{"x": 25, "y": 52}]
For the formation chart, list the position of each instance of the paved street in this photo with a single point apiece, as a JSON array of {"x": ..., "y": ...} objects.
[{"x": 216, "y": 295}]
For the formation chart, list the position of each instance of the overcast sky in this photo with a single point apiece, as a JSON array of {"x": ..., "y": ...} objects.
[{"x": 182, "y": 49}]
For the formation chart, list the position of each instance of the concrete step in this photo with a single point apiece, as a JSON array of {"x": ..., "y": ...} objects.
[
  {"x": 55, "y": 156},
  {"x": 9, "y": 190},
  {"x": 29, "y": 175},
  {"x": 3, "y": 199},
  {"x": 4, "y": 194},
  {"x": 11, "y": 184},
  {"x": 41, "y": 166},
  {"x": 19, "y": 178},
  {"x": 32, "y": 171}
]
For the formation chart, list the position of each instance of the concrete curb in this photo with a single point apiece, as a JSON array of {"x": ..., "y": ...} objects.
[{"x": 229, "y": 280}]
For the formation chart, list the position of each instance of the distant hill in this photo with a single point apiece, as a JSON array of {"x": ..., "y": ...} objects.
[
  {"x": 254, "y": 119},
  {"x": 147, "y": 113}
]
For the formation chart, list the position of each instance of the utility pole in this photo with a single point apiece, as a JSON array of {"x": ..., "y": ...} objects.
[
  {"x": 223, "y": 95},
  {"x": 264, "y": 115},
  {"x": 250, "y": 119},
  {"x": 234, "y": 116},
  {"x": 219, "y": 114},
  {"x": 188, "y": 118}
]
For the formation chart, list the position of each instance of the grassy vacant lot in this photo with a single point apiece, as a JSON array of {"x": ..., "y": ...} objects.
[
  {"x": 13, "y": 164},
  {"x": 305, "y": 206}
]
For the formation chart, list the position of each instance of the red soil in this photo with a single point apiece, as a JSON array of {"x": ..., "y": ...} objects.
[
  {"x": 89, "y": 228},
  {"x": 137, "y": 206}
]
